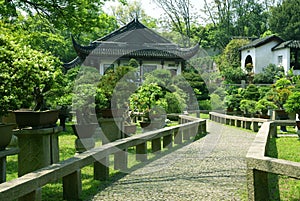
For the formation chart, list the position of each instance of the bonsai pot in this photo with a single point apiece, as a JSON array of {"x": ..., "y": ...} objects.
[
  {"x": 110, "y": 113},
  {"x": 129, "y": 129},
  {"x": 84, "y": 130},
  {"x": 36, "y": 119},
  {"x": 6, "y": 135}
]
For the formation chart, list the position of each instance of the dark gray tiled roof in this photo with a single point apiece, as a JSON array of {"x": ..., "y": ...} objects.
[
  {"x": 133, "y": 40},
  {"x": 261, "y": 41},
  {"x": 288, "y": 44}
]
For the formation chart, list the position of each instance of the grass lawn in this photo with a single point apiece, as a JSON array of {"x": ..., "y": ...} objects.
[{"x": 286, "y": 148}]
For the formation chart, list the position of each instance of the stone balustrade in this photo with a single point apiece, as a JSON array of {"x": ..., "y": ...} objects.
[
  {"x": 258, "y": 164},
  {"x": 27, "y": 187}
]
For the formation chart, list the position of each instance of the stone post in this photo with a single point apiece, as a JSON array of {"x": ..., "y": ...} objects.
[
  {"x": 156, "y": 145},
  {"x": 168, "y": 140},
  {"x": 141, "y": 152},
  {"x": 177, "y": 136},
  {"x": 101, "y": 169},
  {"x": 255, "y": 126},
  {"x": 3, "y": 155},
  {"x": 257, "y": 185},
  {"x": 38, "y": 149}
]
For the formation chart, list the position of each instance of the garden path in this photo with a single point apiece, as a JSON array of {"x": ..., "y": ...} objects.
[{"x": 212, "y": 168}]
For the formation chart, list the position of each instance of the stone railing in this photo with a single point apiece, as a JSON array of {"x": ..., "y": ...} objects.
[
  {"x": 249, "y": 123},
  {"x": 28, "y": 186},
  {"x": 258, "y": 164},
  {"x": 243, "y": 122}
]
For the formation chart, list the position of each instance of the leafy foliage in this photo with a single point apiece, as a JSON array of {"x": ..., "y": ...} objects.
[
  {"x": 269, "y": 74},
  {"x": 263, "y": 105},
  {"x": 286, "y": 15},
  {"x": 248, "y": 106},
  {"x": 27, "y": 75},
  {"x": 293, "y": 103}
]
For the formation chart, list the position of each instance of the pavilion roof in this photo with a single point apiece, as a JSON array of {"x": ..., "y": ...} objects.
[{"x": 133, "y": 40}]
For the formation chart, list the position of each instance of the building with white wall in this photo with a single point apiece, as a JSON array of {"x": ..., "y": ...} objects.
[{"x": 271, "y": 50}]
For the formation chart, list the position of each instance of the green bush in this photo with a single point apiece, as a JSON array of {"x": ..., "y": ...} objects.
[
  {"x": 269, "y": 74},
  {"x": 248, "y": 106},
  {"x": 293, "y": 103},
  {"x": 263, "y": 105},
  {"x": 205, "y": 105}
]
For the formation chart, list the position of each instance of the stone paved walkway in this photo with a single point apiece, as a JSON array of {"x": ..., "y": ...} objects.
[{"x": 212, "y": 168}]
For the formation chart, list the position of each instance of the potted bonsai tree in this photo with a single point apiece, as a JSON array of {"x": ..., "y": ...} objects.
[
  {"x": 263, "y": 105},
  {"x": 293, "y": 105},
  {"x": 149, "y": 101},
  {"x": 83, "y": 102},
  {"x": 112, "y": 94},
  {"x": 34, "y": 75},
  {"x": 248, "y": 107},
  {"x": 110, "y": 83}
]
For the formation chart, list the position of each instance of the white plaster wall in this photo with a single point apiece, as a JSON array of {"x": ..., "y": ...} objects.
[
  {"x": 285, "y": 53},
  {"x": 264, "y": 56}
]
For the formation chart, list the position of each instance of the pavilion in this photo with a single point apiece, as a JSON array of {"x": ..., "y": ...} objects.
[{"x": 133, "y": 41}]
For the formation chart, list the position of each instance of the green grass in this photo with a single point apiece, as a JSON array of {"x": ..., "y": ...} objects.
[
  {"x": 204, "y": 116},
  {"x": 286, "y": 188}
]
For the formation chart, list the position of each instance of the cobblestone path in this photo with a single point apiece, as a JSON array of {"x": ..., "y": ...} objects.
[{"x": 212, "y": 168}]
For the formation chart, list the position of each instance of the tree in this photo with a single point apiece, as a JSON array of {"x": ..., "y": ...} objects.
[
  {"x": 285, "y": 19},
  {"x": 179, "y": 15},
  {"x": 126, "y": 13},
  {"x": 235, "y": 18},
  {"x": 77, "y": 17},
  {"x": 27, "y": 75}
]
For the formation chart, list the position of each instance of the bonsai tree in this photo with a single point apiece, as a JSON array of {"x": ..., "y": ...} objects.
[
  {"x": 146, "y": 98},
  {"x": 293, "y": 103},
  {"x": 108, "y": 83},
  {"x": 280, "y": 92},
  {"x": 29, "y": 75},
  {"x": 264, "y": 105},
  {"x": 232, "y": 101},
  {"x": 248, "y": 106},
  {"x": 84, "y": 92}
]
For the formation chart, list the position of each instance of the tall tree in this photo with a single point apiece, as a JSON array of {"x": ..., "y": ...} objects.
[
  {"x": 235, "y": 18},
  {"x": 130, "y": 11},
  {"x": 285, "y": 19},
  {"x": 179, "y": 15}
]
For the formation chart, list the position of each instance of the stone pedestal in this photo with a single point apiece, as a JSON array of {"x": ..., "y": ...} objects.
[
  {"x": 84, "y": 144},
  {"x": 111, "y": 128},
  {"x": 38, "y": 148}
]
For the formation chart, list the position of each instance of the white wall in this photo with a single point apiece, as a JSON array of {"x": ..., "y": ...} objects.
[
  {"x": 264, "y": 56},
  {"x": 285, "y": 53}
]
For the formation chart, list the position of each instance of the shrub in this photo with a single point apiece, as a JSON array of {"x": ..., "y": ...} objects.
[
  {"x": 268, "y": 74},
  {"x": 293, "y": 103},
  {"x": 248, "y": 106},
  {"x": 263, "y": 105}
]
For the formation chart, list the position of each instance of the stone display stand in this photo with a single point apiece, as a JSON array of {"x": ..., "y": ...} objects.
[
  {"x": 111, "y": 131},
  {"x": 3, "y": 155},
  {"x": 38, "y": 149},
  {"x": 111, "y": 128}
]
